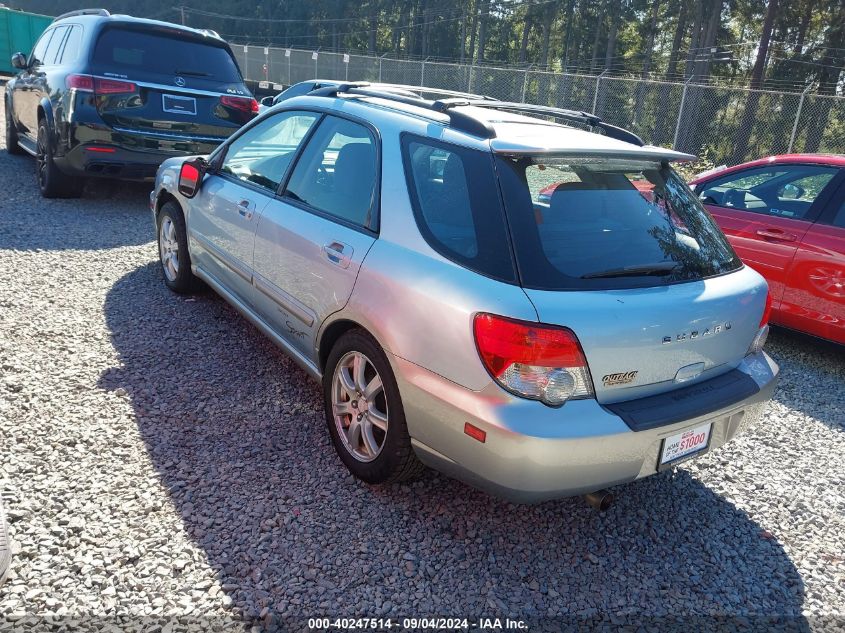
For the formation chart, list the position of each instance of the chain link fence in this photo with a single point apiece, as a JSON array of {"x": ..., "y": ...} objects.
[{"x": 727, "y": 124}]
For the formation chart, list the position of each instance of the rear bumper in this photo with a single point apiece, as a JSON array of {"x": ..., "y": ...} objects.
[
  {"x": 533, "y": 452},
  {"x": 127, "y": 155}
]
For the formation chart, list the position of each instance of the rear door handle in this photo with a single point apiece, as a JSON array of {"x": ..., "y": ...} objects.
[
  {"x": 245, "y": 208},
  {"x": 338, "y": 253},
  {"x": 777, "y": 234}
]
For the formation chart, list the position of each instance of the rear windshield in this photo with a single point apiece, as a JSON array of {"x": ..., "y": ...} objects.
[
  {"x": 131, "y": 52},
  {"x": 593, "y": 223}
]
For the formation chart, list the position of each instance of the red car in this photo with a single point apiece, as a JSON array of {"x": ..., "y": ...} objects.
[{"x": 785, "y": 217}]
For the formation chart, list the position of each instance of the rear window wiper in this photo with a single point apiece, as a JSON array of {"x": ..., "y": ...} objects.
[
  {"x": 192, "y": 73},
  {"x": 657, "y": 270}
]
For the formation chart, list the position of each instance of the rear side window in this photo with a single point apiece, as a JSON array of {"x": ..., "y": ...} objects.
[
  {"x": 786, "y": 191},
  {"x": 70, "y": 53},
  {"x": 129, "y": 52},
  {"x": 457, "y": 205},
  {"x": 337, "y": 173},
  {"x": 52, "y": 52},
  {"x": 594, "y": 223}
]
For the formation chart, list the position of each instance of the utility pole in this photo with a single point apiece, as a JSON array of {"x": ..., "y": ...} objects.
[{"x": 182, "y": 11}]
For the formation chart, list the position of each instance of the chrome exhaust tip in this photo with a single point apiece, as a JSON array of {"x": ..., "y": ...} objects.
[{"x": 601, "y": 500}]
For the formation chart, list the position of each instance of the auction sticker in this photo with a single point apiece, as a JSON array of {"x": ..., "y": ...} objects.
[{"x": 685, "y": 443}]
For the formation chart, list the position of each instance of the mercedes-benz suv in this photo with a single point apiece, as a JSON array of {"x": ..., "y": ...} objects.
[
  {"x": 113, "y": 96},
  {"x": 398, "y": 248}
]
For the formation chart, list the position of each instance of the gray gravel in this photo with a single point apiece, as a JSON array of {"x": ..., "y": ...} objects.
[{"x": 162, "y": 458}]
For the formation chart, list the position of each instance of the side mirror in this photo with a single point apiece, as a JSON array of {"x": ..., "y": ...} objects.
[
  {"x": 191, "y": 175},
  {"x": 19, "y": 61},
  {"x": 267, "y": 101}
]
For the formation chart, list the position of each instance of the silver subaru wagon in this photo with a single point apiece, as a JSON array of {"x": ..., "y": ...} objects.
[{"x": 526, "y": 298}]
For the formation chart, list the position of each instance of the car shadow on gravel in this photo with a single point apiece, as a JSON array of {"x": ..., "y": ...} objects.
[
  {"x": 236, "y": 433},
  {"x": 810, "y": 361},
  {"x": 110, "y": 214}
]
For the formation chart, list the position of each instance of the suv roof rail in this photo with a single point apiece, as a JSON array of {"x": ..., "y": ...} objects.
[
  {"x": 468, "y": 123},
  {"x": 101, "y": 12},
  {"x": 459, "y": 120},
  {"x": 574, "y": 116}
]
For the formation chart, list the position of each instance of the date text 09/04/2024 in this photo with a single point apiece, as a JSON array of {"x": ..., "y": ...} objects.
[{"x": 455, "y": 624}]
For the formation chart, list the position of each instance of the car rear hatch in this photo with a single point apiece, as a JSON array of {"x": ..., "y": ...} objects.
[
  {"x": 620, "y": 252},
  {"x": 162, "y": 85}
]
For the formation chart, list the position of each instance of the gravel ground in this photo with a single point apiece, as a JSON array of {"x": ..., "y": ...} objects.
[{"x": 161, "y": 458}]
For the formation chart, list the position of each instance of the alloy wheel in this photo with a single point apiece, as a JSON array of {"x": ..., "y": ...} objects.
[
  {"x": 359, "y": 406},
  {"x": 168, "y": 247}
]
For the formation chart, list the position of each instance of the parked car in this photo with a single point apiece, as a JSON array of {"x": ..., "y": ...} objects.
[
  {"x": 296, "y": 90},
  {"x": 366, "y": 236},
  {"x": 785, "y": 217},
  {"x": 112, "y": 96}
]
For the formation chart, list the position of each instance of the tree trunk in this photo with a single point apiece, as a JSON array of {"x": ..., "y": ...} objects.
[
  {"x": 596, "y": 40},
  {"x": 743, "y": 135},
  {"x": 548, "y": 20},
  {"x": 483, "y": 10},
  {"x": 680, "y": 27},
  {"x": 610, "y": 51},
  {"x": 570, "y": 18},
  {"x": 473, "y": 31},
  {"x": 834, "y": 64},
  {"x": 523, "y": 43},
  {"x": 802, "y": 28},
  {"x": 695, "y": 38}
]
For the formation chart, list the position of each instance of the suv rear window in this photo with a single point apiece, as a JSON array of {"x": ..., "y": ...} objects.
[
  {"x": 130, "y": 51},
  {"x": 457, "y": 205},
  {"x": 596, "y": 223}
]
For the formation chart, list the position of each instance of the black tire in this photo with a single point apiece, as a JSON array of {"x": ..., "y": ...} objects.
[
  {"x": 183, "y": 281},
  {"x": 51, "y": 181},
  {"x": 396, "y": 461},
  {"x": 11, "y": 135}
]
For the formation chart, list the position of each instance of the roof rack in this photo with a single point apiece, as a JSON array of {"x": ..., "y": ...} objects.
[
  {"x": 574, "y": 116},
  {"x": 459, "y": 120},
  {"x": 70, "y": 14},
  {"x": 467, "y": 123}
]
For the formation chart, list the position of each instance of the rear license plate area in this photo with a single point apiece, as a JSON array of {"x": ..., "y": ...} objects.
[
  {"x": 176, "y": 104},
  {"x": 684, "y": 445}
]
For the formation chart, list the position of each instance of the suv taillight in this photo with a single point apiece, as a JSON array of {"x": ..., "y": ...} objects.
[
  {"x": 541, "y": 362},
  {"x": 98, "y": 85},
  {"x": 241, "y": 109},
  {"x": 245, "y": 104},
  {"x": 763, "y": 332}
]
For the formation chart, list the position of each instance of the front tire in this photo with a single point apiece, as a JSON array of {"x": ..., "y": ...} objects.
[
  {"x": 51, "y": 181},
  {"x": 12, "y": 146},
  {"x": 364, "y": 412},
  {"x": 173, "y": 250}
]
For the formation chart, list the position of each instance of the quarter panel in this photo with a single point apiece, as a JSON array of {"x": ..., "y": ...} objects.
[{"x": 421, "y": 308}]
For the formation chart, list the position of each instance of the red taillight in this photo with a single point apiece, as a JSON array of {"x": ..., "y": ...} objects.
[
  {"x": 503, "y": 342},
  {"x": 112, "y": 86},
  {"x": 543, "y": 362},
  {"x": 101, "y": 150},
  {"x": 98, "y": 85},
  {"x": 244, "y": 104},
  {"x": 83, "y": 83},
  {"x": 767, "y": 311}
]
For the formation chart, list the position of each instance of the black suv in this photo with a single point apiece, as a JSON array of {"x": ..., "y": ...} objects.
[{"x": 114, "y": 96}]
